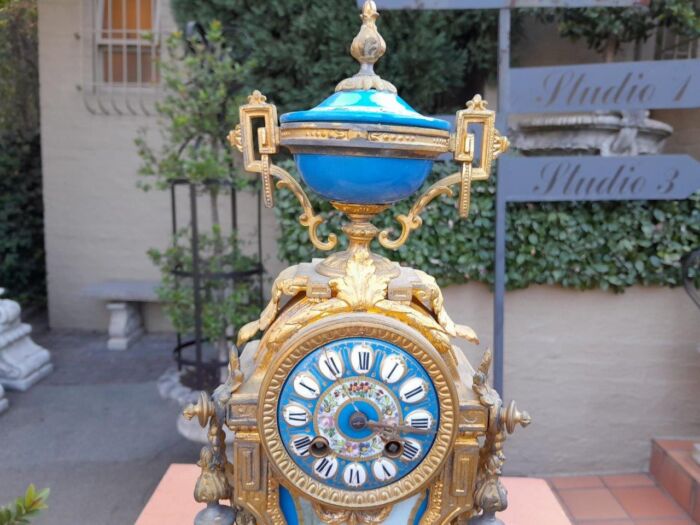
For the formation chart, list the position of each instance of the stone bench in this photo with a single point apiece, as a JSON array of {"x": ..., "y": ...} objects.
[{"x": 124, "y": 298}]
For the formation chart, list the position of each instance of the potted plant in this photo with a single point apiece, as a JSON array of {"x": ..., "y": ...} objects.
[
  {"x": 607, "y": 31},
  {"x": 209, "y": 287}
]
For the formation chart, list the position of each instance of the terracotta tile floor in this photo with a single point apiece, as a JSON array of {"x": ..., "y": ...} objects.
[{"x": 626, "y": 499}]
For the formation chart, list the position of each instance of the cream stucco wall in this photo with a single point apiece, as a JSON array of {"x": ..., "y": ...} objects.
[{"x": 600, "y": 373}]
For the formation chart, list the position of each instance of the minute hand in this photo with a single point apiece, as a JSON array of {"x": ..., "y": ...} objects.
[{"x": 399, "y": 428}]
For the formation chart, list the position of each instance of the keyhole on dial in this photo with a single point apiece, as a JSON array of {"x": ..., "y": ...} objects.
[
  {"x": 319, "y": 447},
  {"x": 393, "y": 449}
]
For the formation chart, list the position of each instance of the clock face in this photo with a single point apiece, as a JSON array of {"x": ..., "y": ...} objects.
[{"x": 358, "y": 414}]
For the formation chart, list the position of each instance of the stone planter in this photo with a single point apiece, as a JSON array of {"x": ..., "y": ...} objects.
[{"x": 606, "y": 134}]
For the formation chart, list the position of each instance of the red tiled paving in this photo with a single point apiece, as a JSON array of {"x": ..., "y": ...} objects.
[
  {"x": 647, "y": 502},
  {"x": 624, "y": 499},
  {"x": 576, "y": 482},
  {"x": 628, "y": 480}
]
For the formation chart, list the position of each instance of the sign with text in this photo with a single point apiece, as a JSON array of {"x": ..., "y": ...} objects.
[
  {"x": 657, "y": 177},
  {"x": 621, "y": 85},
  {"x": 498, "y": 4}
]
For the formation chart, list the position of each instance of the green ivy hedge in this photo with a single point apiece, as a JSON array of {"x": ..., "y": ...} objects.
[{"x": 608, "y": 245}]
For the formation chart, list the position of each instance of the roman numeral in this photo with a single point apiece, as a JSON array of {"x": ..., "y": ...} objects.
[
  {"x": 301, "y": 445},
  {"x": 309, "y": 388},
  {"x": 332, "y": 366},
  {"x": 391, "y": 373},
  {"x": 386, "y": 471},
  {"x": 324, "y": 467},
  {"x": 420, "y": 422},
  {"x": 363, "y": 361},
  {"x": 410, "y": 451},
  {"x": 414, "y": 392},
  {"x": 296, "y": 416}
]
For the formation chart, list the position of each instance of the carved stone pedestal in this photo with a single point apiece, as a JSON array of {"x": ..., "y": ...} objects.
[
  {"x": 606, "y": 134},
  {"x": 4, "y": 403},
  {"x": 22, "y": 361},
  {"x": 124, "y": 325}
]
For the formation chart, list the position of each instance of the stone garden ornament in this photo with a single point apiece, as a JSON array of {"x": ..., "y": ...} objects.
[
  {"x": 22, "y": 361},
  {"x": 355, "y": 406}
]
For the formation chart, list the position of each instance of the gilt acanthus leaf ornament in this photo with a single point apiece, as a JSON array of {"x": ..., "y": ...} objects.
[{"x": 360, "y": 288}]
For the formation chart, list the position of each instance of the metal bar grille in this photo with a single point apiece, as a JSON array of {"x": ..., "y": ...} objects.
[{"x": 119, "y": 56}]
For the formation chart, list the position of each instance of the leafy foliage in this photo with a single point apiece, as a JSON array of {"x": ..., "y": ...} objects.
[
  {"x": 19, "y": 73},
  {"x": 202, "y": 83},
  {"x": 22, "y": 270},
  {"x": 25, "y": 507},
  {"x": 218, "y": 254},
  {"x": 299, "y": 49},
  {"x": 606, "y": 29},
  {"x": 576, "y": 245}
]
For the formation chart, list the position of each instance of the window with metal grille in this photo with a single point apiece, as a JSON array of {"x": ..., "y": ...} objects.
[{"x": 127, "y": 42}]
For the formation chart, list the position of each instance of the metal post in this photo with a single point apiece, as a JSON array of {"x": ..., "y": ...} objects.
[
  {"x": 500, "y": 251},
  {"x": 196, "y": 285}
]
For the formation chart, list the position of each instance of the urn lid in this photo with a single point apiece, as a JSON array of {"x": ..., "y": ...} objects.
[
  {"x": 366, "y": 98},
  {"x": 368, "y": 107}
]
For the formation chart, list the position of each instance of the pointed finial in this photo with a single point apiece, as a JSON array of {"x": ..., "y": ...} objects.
[{"x": 367, "y": 47}]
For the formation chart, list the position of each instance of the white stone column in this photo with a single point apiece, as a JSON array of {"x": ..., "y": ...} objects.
[{"x": 22, "y": 361}]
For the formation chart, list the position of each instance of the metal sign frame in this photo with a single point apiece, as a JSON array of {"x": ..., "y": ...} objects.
[{"x": 498, "y": 4}]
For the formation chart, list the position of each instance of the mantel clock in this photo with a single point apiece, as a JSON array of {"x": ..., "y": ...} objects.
[{"x": 355, "y": 406}]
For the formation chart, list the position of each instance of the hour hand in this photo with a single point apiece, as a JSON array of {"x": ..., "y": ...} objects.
[{"x": 377, "y": 425}]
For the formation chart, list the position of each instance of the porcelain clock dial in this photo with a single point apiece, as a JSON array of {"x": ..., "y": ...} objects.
[{"x": 358, "y": 414}]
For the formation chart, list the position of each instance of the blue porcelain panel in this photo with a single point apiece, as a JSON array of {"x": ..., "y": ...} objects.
[
  {"x": 367, "y": 107},
  {"x": 288, "y": 507},
  {"x": 362, "y": 180},
  {"x": 366, "y": 392}
]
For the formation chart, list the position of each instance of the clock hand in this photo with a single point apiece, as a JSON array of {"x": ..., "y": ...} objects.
[
  {"x": 399, "y": 428},
  {"x": 343, "y": 386}
]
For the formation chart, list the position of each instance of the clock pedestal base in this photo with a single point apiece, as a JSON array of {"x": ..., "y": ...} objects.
[{"x": 531, "y": 501}]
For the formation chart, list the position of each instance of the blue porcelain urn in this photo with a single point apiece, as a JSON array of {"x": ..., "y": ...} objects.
[
  {"x": 364, "y": 148},
  {"x": 364, "y": 144}
]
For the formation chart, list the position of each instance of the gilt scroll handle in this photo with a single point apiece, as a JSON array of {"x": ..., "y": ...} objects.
[
  {"x": 463, "y": 147},
  {"x": 259, "y": 115},
  {"x": 412, "y": 221},
  {"x": 307, "y": 219}
]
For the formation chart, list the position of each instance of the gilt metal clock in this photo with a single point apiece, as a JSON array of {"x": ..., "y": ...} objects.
[{"x": 355, "y": 406}]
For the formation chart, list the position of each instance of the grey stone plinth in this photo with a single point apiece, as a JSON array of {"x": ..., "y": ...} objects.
[
  {"x": 4, "y": 403},
  {"x": 22, "y": 361},
  {"x": 606, "y": 134},
  {"x": 124, "y": 290}
]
